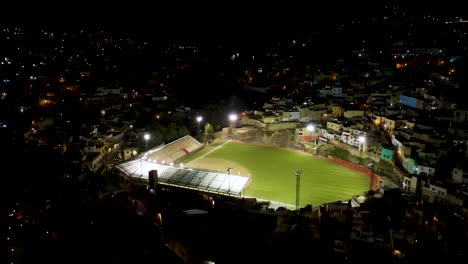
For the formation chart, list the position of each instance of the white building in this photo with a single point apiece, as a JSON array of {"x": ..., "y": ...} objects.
[
  {"x": 291, "y": 116},
  {"x": 459, "y": 176},
  {"x": 434, "y": 192},
  {"x": 429, "y": 171}
]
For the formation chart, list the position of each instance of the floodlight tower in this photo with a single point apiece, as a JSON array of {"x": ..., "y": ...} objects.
[
  {"x": 229, "y": 178},
  {"x": 371, "y": 170},
  {"x": 146, "y": 137},
  {"x": 298, "y": 187},
  {"x": 199, "y": 119}
]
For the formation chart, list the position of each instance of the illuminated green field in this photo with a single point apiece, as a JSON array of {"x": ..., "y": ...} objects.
[{"x": 273, "y": 173}]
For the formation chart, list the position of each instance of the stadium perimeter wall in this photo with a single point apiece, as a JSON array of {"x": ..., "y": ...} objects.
[{"x": 365, "y": 171}]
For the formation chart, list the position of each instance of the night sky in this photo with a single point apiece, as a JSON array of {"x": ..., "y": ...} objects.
[
  {"x": 182, "y": 18},
  {"x": 233, "y": 21},
  {"x": 230, "y": 20}
]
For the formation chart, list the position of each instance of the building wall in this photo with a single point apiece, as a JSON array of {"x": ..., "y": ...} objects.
[
  {"x": 408, "y": 124},
  {"x": 438, "y": 190},
  {"x": 386, "y": 154},
  {"x": 43, "y": 123},
  {"x": 270, "y": 127},
  {"x": 130, "y": 152},
  {"x": 291, "y": 116},
  {"x": 408, "y": 101},
  {"x": 431, "y": 196},
  {"x": 460, "y": 115},
  {"x": 270, "y": 119},
  {"x": 353, "y": 113},
  {"x": 317, "y": 115},
  {"x": 425, "y": 169},
  {"x": 454, "y": 200},
  {"x": 389, "y": 124},
  {"x": 334, "y": 126},
  {"x": 407, "y": 183},
  {"x": 457, "y": 175},
  {"x": 459, "y": 132}
]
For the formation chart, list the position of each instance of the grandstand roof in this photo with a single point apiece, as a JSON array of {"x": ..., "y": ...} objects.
[{"x": 186, "y": 178}]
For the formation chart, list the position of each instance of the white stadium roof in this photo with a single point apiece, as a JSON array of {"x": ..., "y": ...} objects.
[{"x": 185, "y": 178}]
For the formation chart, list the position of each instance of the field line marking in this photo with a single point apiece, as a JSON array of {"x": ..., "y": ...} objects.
[{"x": 202, "y": 156}]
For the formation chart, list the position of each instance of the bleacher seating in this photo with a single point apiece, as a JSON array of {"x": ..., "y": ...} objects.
[{"x": 175, "y": 150}]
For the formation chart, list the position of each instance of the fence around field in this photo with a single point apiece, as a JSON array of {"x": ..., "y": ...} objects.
[{"x": 365, "y": 171}]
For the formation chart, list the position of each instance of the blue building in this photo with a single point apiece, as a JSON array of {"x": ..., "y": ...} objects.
[{"x": 408, "y": 101}]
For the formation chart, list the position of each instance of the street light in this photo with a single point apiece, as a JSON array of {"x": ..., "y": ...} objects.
[
  {"x": 298, "y": 187},
  {"x": 146, "y": 137}
]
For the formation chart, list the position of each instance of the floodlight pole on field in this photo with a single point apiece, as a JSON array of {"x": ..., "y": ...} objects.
[
  {"x": 146, "y": 137},
  {"x": 371, "y": 183},
  {"x": 298, "y": 187},
  {"x": 229, "y": 179}
]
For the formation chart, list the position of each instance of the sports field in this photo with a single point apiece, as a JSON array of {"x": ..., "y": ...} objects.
[{"x": 272, "y": 173}]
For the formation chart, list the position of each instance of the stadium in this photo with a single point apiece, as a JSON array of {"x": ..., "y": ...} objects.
[{"x": 238, "y": 169}]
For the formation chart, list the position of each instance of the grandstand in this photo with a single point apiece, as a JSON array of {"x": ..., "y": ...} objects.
[
  {"x": 174, "y": 151},
  {"x": 137, "y": 170}
]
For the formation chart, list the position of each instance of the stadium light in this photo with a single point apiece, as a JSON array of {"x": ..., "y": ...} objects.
[
  {"x": 298, "y": 187},
  {"x": 232, "y": 120},
  {"x": 146, "y": 137},
  {"x": 371, "y": 169},
  {"x": 362, "y": 141},
  {"x": 232, "y": 117},
  {"x": 199, "y": 119},
  {"x": 229, "y": 178}
]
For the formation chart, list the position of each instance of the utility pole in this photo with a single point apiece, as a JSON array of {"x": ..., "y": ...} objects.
[{"x": 298, "y": 187}]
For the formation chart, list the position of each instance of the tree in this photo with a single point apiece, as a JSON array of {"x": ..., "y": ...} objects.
[
  {"x": 182, "y": 130},
  {"x": 208, "y": 133},
  {"x": 172, "y": 133},
  {"x": 341, "y": 153}
]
